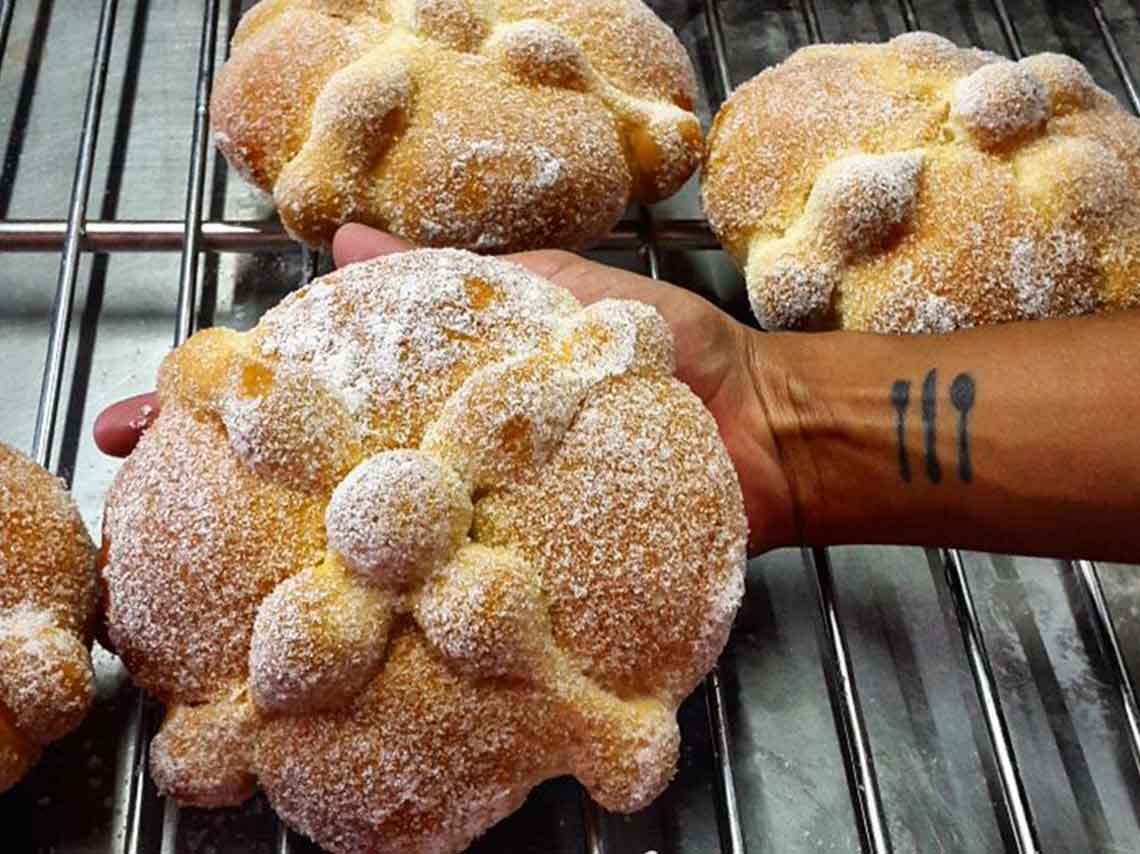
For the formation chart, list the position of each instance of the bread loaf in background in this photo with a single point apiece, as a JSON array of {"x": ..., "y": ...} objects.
[
  {"x": 915, "y": 186},
  {"x": 489, "y": 125}
]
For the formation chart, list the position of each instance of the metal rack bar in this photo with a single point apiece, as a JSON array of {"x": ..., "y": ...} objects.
[
  {"x": 196, "y": 177},
  {"x": 728, "y": 814},
  {"x": 137, "y": 760},
  {"x": 282, "y": 844},
  {"x": 1022, "y": 829},
  {"x": 811, "y": 20},
  {"x": 715, "y": 26},
  {"x": 728, "y": 809},
  {"x": 1110, "y": 644},
  {"x": 1114, "y": 54},
  {"x": 594, "y": 836},
  {"x": 1008, "y": 32},
  {"x": 836, "y": 659},
  {"x": 170, "y": 820},
  {"x": 853, "y": 741},
  {"x": 69, "y": 261},
  {"x": 910, "y": 17},
  {"x": 267, "y": 236},
  {"x": 6, "y": 10}
]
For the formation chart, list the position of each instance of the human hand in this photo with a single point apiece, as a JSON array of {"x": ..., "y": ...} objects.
[{"x": 716, "y": 357}]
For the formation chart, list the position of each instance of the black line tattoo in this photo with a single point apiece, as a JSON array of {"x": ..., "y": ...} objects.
[
  {"x": 962, "y": 393},
  {"x": 900, "y": 400},
  {"x": 933, "y": 469}
]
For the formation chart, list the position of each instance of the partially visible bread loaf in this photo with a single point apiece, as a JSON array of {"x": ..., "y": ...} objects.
[
  {"x": 494, "y": 125},
  {"x": 47, "y": 605},
  {"x": 914, "y": 186},
  {"x": 429, "y": 534}
]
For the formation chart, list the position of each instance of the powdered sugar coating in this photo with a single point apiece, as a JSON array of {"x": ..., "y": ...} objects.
[
  {"x": 999, "y": 103},
  {"x": 1068, "y": 83},
  {"x": 424, "y": 761},
  {"x": 863, "y": 199},
  {"x": 395, "y": 352},
  {"x": 484, "y": 613},
  {"x": 47, "y": 684},
  {"x": 46, "y": 556},
  {"x": 202, "y": 755},
  {"x": 995, "y": 206},
  {"x": 188, "y": 522},
  {"x": 539, "y": 52},
  {"x": 47, "y": 607},
  {"x": 408, "y": 715},
  {"x": 505, "y": 420},
  {"x": 614, "y": 337},
  {"x": 289, "y": 428},
  {"x": 620, "y": 604},
  {"x": 791, "y": 291},
  {"x": 397, "y": 517},
  {"x": 318, "y": 639},
  {"x": 404, "y": 96}
]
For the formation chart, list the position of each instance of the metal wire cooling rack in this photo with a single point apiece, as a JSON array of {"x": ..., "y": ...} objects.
[{"x": 969, "y": 702}]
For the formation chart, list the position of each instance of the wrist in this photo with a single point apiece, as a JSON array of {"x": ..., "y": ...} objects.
[
  {"x": 780, "y": 399},
  {"x": 755, "y": 427},
  {"x": 818, "y": 407}
]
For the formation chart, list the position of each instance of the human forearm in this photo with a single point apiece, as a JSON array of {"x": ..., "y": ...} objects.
[{"x": 1050, "y": 428}]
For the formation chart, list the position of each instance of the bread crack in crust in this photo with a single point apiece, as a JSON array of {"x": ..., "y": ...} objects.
[
  {"x": 430, "y": 534},
  {"x": 494, "y": 125},
  {"x": 47, "y": 612},
  {"x": 914, "y": 186}
]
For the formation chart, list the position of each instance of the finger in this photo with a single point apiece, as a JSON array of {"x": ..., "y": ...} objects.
[
  {"x": 118, "y": 427},
  {"x": 355, "y": 242}
]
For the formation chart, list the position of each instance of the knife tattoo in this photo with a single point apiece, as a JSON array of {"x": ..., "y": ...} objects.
[
  {"x": 900, "y": 400},
  {"x": 933, "y": 469}
]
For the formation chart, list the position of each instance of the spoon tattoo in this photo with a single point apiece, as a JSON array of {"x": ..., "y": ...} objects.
[{"x": 962, "y": 393}]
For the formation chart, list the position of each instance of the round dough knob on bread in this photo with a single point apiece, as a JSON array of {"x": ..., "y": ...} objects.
[
  {"x": 318, "y": 639},
  {"x": 538, "y": 557},
  {"x": 915, "y": 186},
  {"x": 397, "y": 517},
  {"x": 498, "y": 127},
  {"x": 47, "y": 613}
]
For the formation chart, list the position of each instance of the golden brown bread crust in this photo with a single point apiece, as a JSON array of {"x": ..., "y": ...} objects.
[
  {"x": 495, "y": 125},
  {"x": 47, "y": 606},
  {"x": 430, "y": 528},
  {"x": 914, "y": 186}
]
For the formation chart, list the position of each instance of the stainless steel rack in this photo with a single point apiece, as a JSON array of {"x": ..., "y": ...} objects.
[{"x": 721, "y": 780}]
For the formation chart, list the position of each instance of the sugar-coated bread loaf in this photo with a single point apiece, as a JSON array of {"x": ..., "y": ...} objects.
[
  {"x": 429, "y": 534},
  {"x": 915, "y": 186},
  {"x": 47, "y": 610},
  {"x": 495, "y": 125}
]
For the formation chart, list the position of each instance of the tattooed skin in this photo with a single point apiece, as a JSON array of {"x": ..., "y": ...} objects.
[
  {"x": 963, "y": 393},
  {"x": 900, "y": 400},
  {"x": 929, "y": 411}
]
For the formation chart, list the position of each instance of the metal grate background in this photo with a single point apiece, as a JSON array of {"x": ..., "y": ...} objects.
[{"x": 968, "y": 702}]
